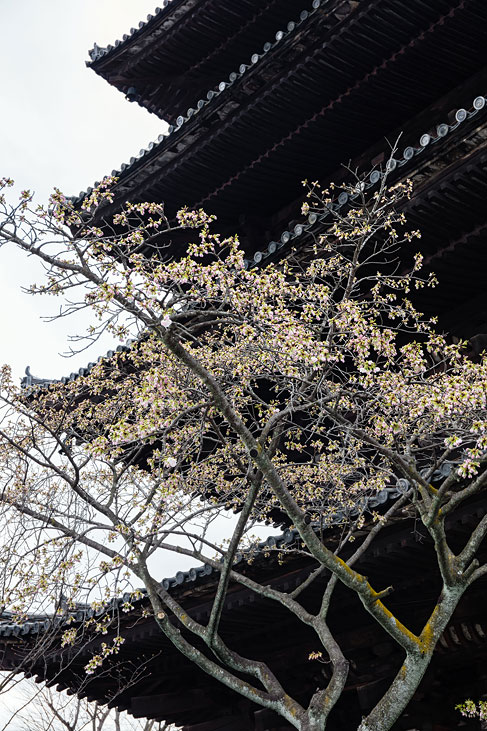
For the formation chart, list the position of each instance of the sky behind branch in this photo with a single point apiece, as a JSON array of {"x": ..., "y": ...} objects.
[{"x": 60, "y": 125}]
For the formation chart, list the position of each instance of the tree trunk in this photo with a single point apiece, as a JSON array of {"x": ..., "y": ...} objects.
[
  {"x": 405, "y": 684},
  {"x": 402, "y": 689}
]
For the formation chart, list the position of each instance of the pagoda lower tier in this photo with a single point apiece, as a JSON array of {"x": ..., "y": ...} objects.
[{"x": 149, "y": 678}]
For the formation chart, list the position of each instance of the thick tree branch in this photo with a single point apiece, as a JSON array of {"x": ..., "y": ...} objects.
[{"x": 283, "y": 704}]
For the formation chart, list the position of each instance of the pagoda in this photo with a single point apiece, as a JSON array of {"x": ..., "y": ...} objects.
[{"x": 261, "y": 94}]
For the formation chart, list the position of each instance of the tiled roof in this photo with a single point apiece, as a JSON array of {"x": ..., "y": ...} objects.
[
  {"x": 169, "y": 8},
  {"x": 37, "y": 624},
  {"x": 172, "y": 168},
  {"x": 436, "y": 134},
  {"x": 427, "y": 139},
  {"x": 213, "y": 94},
  {"x": 29, "y": 380},
  {"x": 167, "y": 62}
]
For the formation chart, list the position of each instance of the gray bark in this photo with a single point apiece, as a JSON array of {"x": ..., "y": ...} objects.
[{"x": 407, "y": 680}]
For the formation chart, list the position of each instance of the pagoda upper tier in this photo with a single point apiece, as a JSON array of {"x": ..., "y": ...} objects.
[
  {"x": 330, "y": 85},
  {"x": 187, "y": 47}
]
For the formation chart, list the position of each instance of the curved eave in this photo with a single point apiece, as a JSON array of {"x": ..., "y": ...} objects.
[
  {"x": 171, "y": 683},
  {"x": 30, "y": 381},
  {"x": 178, "y": 54},
  {"x": 434, "y": 150},
  {"x": 232, "y": 93},
  {"x": 227, "y": 167},
  {"x": 196, "y": 576},
  {"x": 449, "y": 164}
]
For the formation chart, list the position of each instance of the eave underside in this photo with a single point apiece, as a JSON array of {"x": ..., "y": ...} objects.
[
  {"x": 323, "y": 112},
  {"x": 150, "y": 679},
  {"x": 172, "y": 61}
]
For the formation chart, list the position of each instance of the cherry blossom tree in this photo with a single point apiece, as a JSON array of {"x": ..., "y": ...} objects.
[{"x": 305, "y": 387}]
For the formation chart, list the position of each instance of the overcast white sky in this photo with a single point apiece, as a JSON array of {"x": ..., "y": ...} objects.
[{"x": 60, "y": 125}]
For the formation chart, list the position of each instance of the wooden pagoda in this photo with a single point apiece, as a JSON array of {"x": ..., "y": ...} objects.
[
  {"x": 259, "y": 95},
  {"x": 263, "y": 94}
]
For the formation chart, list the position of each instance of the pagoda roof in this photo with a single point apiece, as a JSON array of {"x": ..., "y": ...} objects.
[
  {"x": 215, "y": 97},
  {"x": 453, "y": 152},
  {"x": 227, "y": 168},
  {"x": 400, "y": 555},
  {"x": 188, "y": 46},
  {"x": 197, "y": 575},
  {"x": 426, "y": 145}
]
